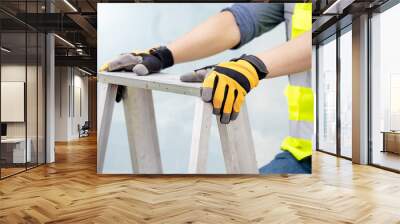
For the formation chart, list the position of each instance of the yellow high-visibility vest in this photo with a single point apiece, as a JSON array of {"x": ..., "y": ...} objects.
[{"x": 299, "y": 94}]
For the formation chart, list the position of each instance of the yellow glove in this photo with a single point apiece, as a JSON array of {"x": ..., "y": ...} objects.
[{"x": 227, "y": 85}]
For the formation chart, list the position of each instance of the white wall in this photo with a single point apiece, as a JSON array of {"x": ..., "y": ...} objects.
[
  {"x": 12, "y": 73},
  {"x": 80, "y": 83},
  {"x": 61, "y": 103},
  {"x": 33, "y": 126},
  {"x": 68, "y": 81}
]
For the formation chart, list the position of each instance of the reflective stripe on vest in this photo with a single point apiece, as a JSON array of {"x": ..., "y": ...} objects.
[
  {"x": 299, "y": 148},
  {"x": 300, "y": 103},
  {"x": 299, "y": 95},
  {"x": 301, "y": 117}
]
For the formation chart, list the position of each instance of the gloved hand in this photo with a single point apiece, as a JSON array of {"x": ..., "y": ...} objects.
[
  {"x": 141, "y": 63},
  {"x": 229, "y": 82}
]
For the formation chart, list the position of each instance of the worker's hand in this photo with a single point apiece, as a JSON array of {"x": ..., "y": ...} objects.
[
  {"x": 141, "y": 63},
  {"x": 229, "y": 82}
]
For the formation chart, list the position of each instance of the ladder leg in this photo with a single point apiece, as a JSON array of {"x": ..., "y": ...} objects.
[
  {"x": 228, "y": 147},
  {"x": 200, "y": 137},
  {"x": 105, "y": 125},
  {"x": 142, "y": 131},
  {"x": 244, "y": 143},
  {"x": 237, "y": 145}
]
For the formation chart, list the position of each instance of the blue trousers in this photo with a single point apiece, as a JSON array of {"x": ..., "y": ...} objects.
[{"x": 285, "y": 163}]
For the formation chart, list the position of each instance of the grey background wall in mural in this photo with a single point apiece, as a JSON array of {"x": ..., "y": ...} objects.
[{"x": 127, "y": 27}]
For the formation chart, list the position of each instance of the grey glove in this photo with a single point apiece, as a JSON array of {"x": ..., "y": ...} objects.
[
  {"x": 143, "y": 63},
  {"x": 127, "y": 62},
  {"x": 197, "y": 75}
]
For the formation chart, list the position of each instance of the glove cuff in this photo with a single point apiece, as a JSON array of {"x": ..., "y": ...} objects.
[
  {"x": 259, "y": 65},
  {"x": 165, "y": 56}
]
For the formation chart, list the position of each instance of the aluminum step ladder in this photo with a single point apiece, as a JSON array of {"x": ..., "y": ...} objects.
[{"x": 236, "y": 138}]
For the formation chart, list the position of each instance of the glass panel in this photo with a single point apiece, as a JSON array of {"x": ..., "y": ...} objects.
[
  {"x": 13, "y": 87},
  {"x": 327, "y": 97},
  {"x": 22, "y": 88},
  {"x": 32, "y": 89},
  {"x": 31, "y": 100},
  {"x": 9, "y": 24},
  {"x": 41, "y": 87},
  {"x": 314, "y": 87},
  {"x": 385, "y": 84},
  {"x": 345, "y": 94},
  {"x": 41, "y": 98},
  {"x": 394, "y": 102}
]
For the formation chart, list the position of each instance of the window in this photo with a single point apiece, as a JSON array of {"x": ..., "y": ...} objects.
[
  {"x": 385, "y": 89},
  {"x": 327, "y": 97},
  {"x": 394, "y": 102},
  {"x": 346, "y": 93}
]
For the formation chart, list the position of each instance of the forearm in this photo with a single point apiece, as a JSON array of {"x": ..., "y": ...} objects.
[
  {"x": 291, "y": 57},
  {"x": 218, "y": 33}
]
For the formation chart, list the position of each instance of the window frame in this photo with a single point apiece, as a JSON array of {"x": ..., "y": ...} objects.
[
  {"x": 340, "y": 31},
  {"x": 334, "y": 37},
  {"x": 378, "y": 10}
]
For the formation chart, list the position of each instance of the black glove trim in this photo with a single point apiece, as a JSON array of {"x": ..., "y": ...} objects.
[
  {"x": 206, "y": 67},
  {"x": 237, "y": 76},
  {"x": 165, "y": 56},
  {"x": 260, "y": 67}
]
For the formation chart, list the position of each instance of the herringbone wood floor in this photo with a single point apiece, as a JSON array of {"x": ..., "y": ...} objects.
[{"x": 70, "y": 191}]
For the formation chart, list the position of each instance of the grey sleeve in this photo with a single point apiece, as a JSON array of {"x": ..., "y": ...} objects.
[{"x": 254, "y": 19}]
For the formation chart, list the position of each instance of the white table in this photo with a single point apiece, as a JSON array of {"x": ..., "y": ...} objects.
[
  {"x": 236, "y": 139},
  {"x": 19, "y": 155}
]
